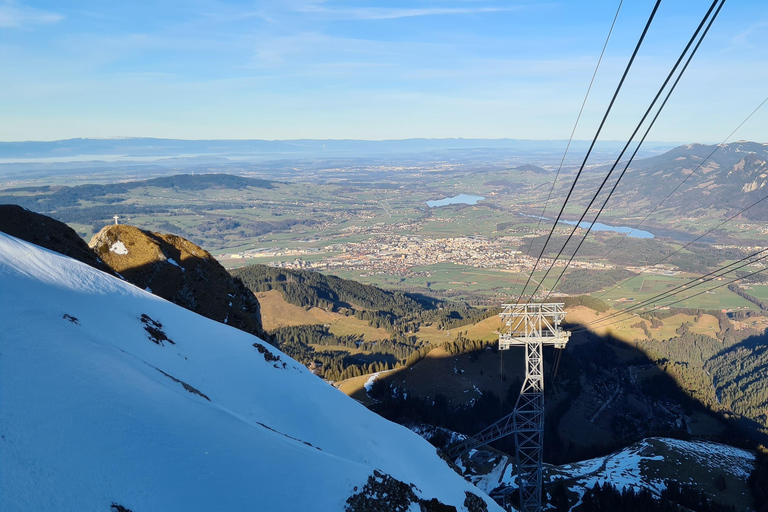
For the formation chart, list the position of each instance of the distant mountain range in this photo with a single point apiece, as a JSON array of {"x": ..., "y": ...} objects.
[
  {"x": 139, "y": 147},
  {"x": 722, "y": 177}
]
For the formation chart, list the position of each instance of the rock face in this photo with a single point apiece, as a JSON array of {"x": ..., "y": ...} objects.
[
  {"x": 48, "y": 233},
  {"x": 179, "y": 271}
]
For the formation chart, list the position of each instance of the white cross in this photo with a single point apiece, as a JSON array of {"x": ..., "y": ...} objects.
[{"x": 116, "y": 217}]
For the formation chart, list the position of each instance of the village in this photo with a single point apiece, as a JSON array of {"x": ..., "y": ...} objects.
[{"x": 399, "y": 254}]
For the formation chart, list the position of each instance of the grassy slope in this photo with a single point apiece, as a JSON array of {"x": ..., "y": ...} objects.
[
  {"x": 435, "y": 373},
  {"x": 456, "y": 376},
  {"x": 622, "y": 329},
  {"x": 643, "y": 287},
  {"x": 276, "y": 313}
]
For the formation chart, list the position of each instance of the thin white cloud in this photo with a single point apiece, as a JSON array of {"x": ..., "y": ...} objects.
[
  {"x": 749, "y": 38},
  {"x": 15, "y": 15},
  {"x": 380, "y": 13}
]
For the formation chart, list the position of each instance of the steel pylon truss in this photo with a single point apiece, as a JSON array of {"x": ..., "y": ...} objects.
[
  {"x": 527, "y": 322},
  {"x": 532, "y": 326}
]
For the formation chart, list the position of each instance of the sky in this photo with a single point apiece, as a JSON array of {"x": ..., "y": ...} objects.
[{"x": 368, "y": 69}]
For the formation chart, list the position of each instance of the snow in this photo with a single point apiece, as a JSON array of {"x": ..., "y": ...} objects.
[
  {"x": 119, "y": 248},
  {"x": 636, "y": 467},
  {"x": 173, "y": 262},
  {"x": 625, "y": 470},
  {"x": 739, "y": 462},
  {"x": 490, "y": 481},
  {"x": 94, "y": 412},
  {"x": 369, "y": 383}
]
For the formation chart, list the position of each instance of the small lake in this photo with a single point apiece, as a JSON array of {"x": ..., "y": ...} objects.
[
  {"x": 599, "y": 226},
  {"x": 459, "y": 199}
]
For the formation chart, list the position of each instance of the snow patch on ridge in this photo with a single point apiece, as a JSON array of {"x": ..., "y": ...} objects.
[
  {"x": 740, "y": 462},
  {"x": 173, "y": 262},
  {"x": 369, "y": 383},
  {"x": 118, "y": 248}
]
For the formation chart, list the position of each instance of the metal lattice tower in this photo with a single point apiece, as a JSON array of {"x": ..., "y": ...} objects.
[{"x": 532, "y": 326}]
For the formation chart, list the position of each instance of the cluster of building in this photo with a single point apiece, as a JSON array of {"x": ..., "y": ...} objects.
[
  {"x": 659, "y": 270},
  {"x": 268, "y": 253},
  {"x": 399, "y": 254}
]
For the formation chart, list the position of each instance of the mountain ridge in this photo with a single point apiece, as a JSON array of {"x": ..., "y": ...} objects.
[
  {"x": 723, "y": 176},
  {"x": 153, "y": 261},
  {"x": 159, "y": 147}
]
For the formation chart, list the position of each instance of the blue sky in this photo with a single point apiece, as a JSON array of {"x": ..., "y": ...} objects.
[{"x": 362, "y": 69}]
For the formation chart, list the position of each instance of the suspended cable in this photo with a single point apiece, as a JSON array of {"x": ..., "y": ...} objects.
[
  {"x": 556, "y": 364},
  {"x": 689, "y": 285},
  {"x": 645, "y": 135},
  {"x": 570, "y": 139},
  {"x": 665, "y": 258},
  {"x": 763, "y": 253},
  {"x": 592, "y": 144},
  {"x": 583, "y": 328},
  {"x": 629, "y": 142}
]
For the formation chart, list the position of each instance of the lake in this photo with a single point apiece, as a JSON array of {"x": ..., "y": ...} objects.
[
  {"x": 599, "y": 226},
  {"x": 459, "y": 199}
]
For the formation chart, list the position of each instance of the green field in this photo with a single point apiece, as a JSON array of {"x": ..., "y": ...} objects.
[
  {"x": 449, "y": 278},
  {"x": 758, "y": 291},
  {"x": 644, "y": 287}
]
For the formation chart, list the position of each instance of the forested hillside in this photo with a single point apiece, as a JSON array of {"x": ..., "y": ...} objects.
[
  {"x": 679, "y": 372},
  {"x": 400, "y": 314},
  {"x": 725, "y": 370},
  {"x": 740, "y": 378}
]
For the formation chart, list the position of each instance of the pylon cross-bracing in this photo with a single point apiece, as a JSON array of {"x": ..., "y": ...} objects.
[{"x": 531, "y": 326}]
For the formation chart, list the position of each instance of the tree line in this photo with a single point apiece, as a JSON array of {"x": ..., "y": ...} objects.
[
  {"x": 741, "y": 292},
  {"x": 336, "y": 365},
  {"x": 601, "y": 498}
]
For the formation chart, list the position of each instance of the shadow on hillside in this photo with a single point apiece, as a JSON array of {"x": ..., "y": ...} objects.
[
  {"x": 607, "y": 394},
  {"x": 373, "y": 358},
  {"x": 739, "y": 375},
  {"x": 205, "y": 288}
]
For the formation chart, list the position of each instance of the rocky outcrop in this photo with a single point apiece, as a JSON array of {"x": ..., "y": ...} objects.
[
  {"x": 48, "y": 233},
  {"x": 179, "y": 271}
]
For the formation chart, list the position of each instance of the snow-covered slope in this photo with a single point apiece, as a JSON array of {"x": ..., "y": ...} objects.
[
  {"x": 112, "y": 396},
  {"x": 649, "y": 464}
]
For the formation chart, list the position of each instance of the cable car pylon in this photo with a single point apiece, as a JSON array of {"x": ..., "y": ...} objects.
[{"x": 532, "y": 326}]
